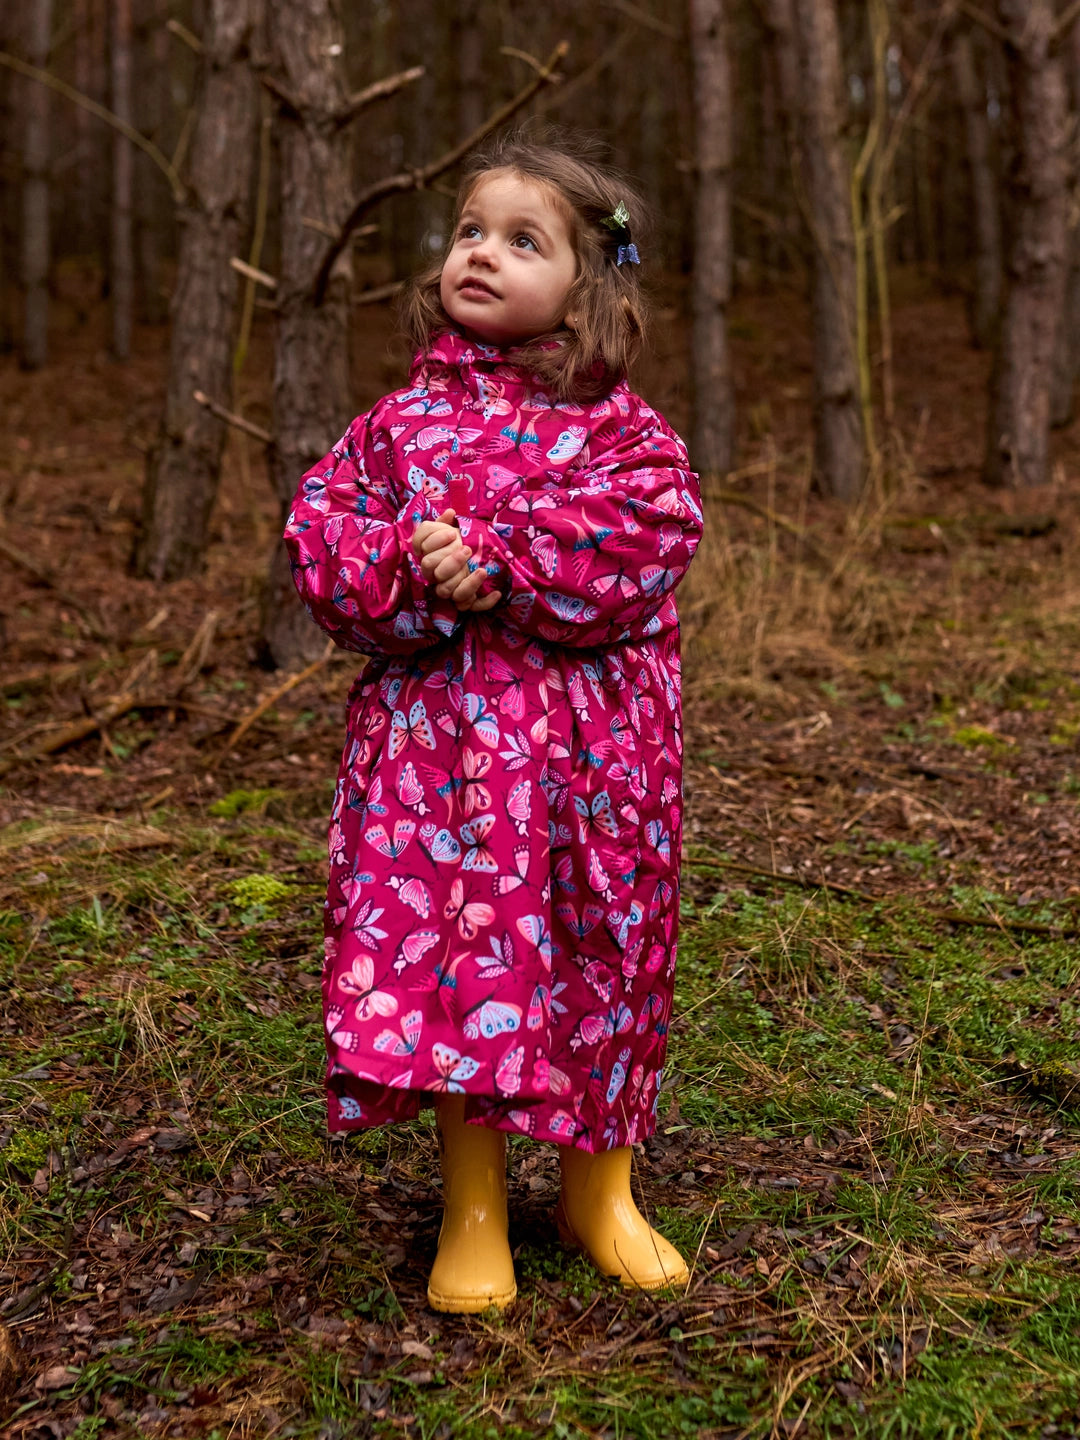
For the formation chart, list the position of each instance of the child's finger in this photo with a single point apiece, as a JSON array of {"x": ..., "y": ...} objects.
[
  {"x": 438, "y": 537},
  {"x": 440, "y": 565}
]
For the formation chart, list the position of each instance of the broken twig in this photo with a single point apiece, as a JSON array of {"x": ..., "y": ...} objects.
[
  {"x": 419, "y": 179},
  {"x": 231, "y": 418}
]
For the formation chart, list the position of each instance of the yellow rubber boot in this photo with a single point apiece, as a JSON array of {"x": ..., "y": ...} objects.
[
  {"x": 474, "y": 1267},
  {"x": 597, "y": 1213}
]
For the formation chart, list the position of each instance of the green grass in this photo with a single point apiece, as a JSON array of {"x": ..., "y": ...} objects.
[{"x": 814, "y": 1037}]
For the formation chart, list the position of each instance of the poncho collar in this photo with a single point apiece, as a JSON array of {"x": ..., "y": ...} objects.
[{"x": 473, "y": 362}]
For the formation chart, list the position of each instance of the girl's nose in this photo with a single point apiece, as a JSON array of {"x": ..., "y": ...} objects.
[{"x": 483, "y": 254}]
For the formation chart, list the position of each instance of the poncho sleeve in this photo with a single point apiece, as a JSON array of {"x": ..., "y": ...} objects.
[
  {"x": 349, "y": 537},
  {"x": 593, "y": 562}
]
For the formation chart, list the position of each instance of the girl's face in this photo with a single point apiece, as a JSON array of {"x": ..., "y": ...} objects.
[{"x": 509, "y": 272}]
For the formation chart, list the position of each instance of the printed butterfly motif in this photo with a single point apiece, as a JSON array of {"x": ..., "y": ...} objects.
[
  {"x": 596, "y": 816},
  {"x": 504, "y": 884},
  {"x": 519, "y": 805},
  {"x": 653, "y": 1006},
  {"x": 453, "y": 1069},
  {"x": 600, "y": 979},
  {"x": 315, "y": 491},
  {"x": 518, "y": 752},
  {"x": 507, "y": 686},
  {"x": 421, "y": 483},
  {"x": 414, "y": 947},
  {"x": 410, "y": 791},
  {"x": 390, "y": 1042},
  {"x": 549, "y": 1077},
  {"x": 359, "y": 984},
  {"x": 534, "y": 929},
  {"x": 633, "y": 1094},
  {"x": 428, "y": 406},
  {"x": 439, "y": 845},
  {"x": 568, "y": 444},
  {"x": 481, "y": 719},
  {"x": 591, "y": 1029},
  {"x": 469, "y": 915},
  {"x": 581, "y": 924},
  {"x": 569, "y": 607},
  {"x": 363, "y": 924},
  {"x": 475, "y": 853},
  {"x": 502, "y": 960},
  {"x": 490, "y": 1018},
  {"x": 619, "y": 924},
  {"x": 348, "y": 1108},
  {"x": 416, "y": 729},
  {"x": 655, "y": 580},
  {"x": 618, "y": 1076},
  {"x": 413, "y": 892},
  {"x": 658, "y": 839},
  {"x": 376, "y": 836},
  {"x": 443, "y": 981},
  {"x": 508, "y": 1071},
  {"x": 546, "y": 550},
  {"x": 522, "y": 441}
]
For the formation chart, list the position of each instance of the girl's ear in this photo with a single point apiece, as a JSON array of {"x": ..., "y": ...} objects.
[{"x": 570, "y": 320}]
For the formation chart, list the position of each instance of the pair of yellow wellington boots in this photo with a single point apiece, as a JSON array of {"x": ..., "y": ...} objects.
[{"x": 474, "y": 1268}]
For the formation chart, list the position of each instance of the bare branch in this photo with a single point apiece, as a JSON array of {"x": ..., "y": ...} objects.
[
  {"x": 182, "y": 32},
  {"x": 407, "y": 180},
  {"x": 285, "y": 96},
  {"x": 378, "y": 91},
  {"x": 249, "y": 272},
  {"x": 378, "y": 292},
  {"x": 231, "y": 418},
  {"x": 988, "y": 23},
  {"x": 1066, "y": 20},
  {"x": 651, "y": 22},
  {"x": 44, "y": 77}
]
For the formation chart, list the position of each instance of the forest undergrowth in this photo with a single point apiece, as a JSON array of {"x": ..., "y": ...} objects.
[{"x": 869, "y": 1138}]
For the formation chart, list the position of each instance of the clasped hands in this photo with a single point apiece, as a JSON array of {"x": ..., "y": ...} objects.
[{"x": 444, "y": 561}]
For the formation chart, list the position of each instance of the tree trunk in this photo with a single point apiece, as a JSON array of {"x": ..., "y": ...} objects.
[
  {"x": 121, "y": 255},
  {"x": 312, "y": 400},
  {"x": 1067, "y": 356},
  {"x": 153, "y": 204},
  {"x": 468, "y": 38},
  {"x": 712, "y": 442},
  {"x": 839, "y": 459},
  {"x": 1035, "y": 290},
  {"x": 35, "y": 211},
  {"x": 185, "y": 464},
  {"x": 971, "y": 94}
]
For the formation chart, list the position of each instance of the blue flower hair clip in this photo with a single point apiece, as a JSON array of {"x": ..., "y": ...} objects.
[{"x": 618, "y": 222}]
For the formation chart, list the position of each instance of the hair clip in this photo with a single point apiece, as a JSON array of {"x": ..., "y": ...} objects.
[
  {"x": 619, "y": 219},
  {"x": 618, "y": 222}
]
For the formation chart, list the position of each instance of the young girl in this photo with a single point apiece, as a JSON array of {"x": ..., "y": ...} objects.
[{"x": 503, "y": 538}]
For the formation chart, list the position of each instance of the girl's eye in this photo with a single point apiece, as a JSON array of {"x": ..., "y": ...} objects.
[
  {"x": 469, "y": 231},
  {"x": 525, "y": 242}
]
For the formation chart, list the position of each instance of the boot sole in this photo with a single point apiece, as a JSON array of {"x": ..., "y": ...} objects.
[{"x": 469, "y": 1304}]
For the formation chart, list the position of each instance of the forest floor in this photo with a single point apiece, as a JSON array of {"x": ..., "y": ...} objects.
[{"x": 869, "y": 1143}]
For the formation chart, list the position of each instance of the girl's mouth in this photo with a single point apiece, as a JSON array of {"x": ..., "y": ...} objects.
[{"x": 473, "y": 282}]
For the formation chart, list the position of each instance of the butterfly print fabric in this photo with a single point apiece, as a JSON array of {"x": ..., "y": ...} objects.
[{"x": 502, "y": 912}]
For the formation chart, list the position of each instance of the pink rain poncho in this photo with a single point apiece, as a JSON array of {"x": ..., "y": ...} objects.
[{"x": 504, "y": 844}]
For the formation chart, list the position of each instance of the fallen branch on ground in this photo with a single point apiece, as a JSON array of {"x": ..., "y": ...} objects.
[{"x": 276, "y": 694}]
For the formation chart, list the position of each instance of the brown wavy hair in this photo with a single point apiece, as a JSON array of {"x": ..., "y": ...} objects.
[{"x": 606, "y": 301}]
